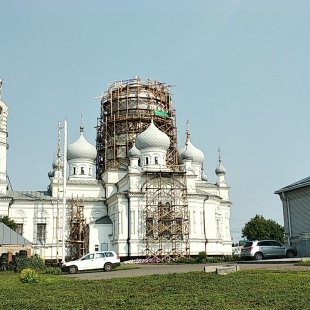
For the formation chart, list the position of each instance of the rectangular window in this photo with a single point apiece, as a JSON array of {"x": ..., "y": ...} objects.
[
  {"x": 20, "y": 229},
  {"x": 179, "y": 228},
  {"x": 164, "y": 228},
  {"x": 41, "y": 233},
  {"x": 149, "y": 227}
]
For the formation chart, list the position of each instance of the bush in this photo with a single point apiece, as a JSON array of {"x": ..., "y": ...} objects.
[
  {"x": 202, "y": 257},
  {"x": 53, "y": 270},
  {"x": 29, "y": 276},
  {"x": 185, "y": 260},
  {"x": 33, "y": 262}
]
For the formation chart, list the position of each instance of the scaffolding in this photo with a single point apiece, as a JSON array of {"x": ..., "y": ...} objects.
[
  {"x": 166, "y": 216},
  {"x": 127, "y": 108},
  {"x": 78, "y": 242}
]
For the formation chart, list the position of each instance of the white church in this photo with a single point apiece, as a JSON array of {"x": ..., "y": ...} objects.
[{"x": 134, "y": 192}]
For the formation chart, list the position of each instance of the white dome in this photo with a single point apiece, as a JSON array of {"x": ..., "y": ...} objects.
[
  {"x": 134, "y": 152},
  {"x": 190, "y": 151},
  {"x": 81, "y": 149},
  {"x": 55, "y": 164},
  {"x": 152, "y": 137},
  {"x": 220, "y": 169},
  {"x": 51, "y": 173}
]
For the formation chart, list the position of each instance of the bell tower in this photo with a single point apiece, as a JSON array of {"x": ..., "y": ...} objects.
[{"x": 3, "y": 143}]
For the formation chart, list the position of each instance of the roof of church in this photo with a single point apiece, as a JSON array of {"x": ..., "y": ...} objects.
[
  {"x": 189, "y": 150},
  {"x": 81, "y": 149},
  {"x": 152, "y": 137},
  {"x": 27, "y": 195},
  {"x": 134, "y": 152},
  {"x": 301, "y": 183},
  {"x": 104, "y": 220},
  {"x": 9, "y": 236}
]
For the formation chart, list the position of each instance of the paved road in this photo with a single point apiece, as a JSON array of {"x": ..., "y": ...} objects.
[{"x": 147, "y": 269}]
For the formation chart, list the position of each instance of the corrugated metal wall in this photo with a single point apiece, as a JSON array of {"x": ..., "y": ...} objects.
[{"x": 299, "y": 202}]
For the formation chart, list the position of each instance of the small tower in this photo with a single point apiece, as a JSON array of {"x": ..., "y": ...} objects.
[
  {"x": 192, "y": 152},
  {"x": 81, "y": 156},
  {"x": 220, "y": 171},
  {"x": 153, "y": 145},
  {"x": 3, "y": 143}
]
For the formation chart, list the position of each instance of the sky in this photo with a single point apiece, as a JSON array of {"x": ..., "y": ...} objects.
[{"x": 240, "y": 71}]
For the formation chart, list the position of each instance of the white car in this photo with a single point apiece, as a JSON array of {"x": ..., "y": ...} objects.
[{"x": 104, "y": 260}]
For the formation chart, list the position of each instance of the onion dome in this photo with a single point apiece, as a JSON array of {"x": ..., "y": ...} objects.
[
  {"x": 189, "y": 150},
  {"x": 51, "y": 173},
  {"x": 55, "y": 164},
  {"x": 134, "y": 152},
  {"x": 81, "y": 149},
  {"x": 152, "y": 137},
  {"x": 220, "y": 169},
  {"x": 204, "y": 177}
]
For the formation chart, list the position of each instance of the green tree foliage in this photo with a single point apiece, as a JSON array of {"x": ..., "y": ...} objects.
[
  {"x": 8, "y": 222},
  {"x": 259, "y": 228}
]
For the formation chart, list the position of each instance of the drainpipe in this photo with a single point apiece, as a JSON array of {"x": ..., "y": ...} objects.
[
  {"x": 204, "y": 223},
  {"x": 9, "y": 206},
  {"x": 288, "y": 217},
  {"x": 128, "y": 226}
]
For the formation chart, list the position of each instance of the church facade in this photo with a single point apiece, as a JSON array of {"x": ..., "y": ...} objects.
[{"x": 148, "y": 199}]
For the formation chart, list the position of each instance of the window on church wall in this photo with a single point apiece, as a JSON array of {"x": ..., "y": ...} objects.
[
  {"x": 156, "y": 160},
  {"x": 41, "y": 233},
  {"x": 165, "y": 222},
  {"x": 150, "y": 227},
  {"x": 74, "y": 170},
  {"x": 146, "y": 161},
  {"x": 82, "y": 171},
  {"x": 165, "y": 228},
  {"x": 178, "y": 228},
  {"x": 164, "y": 210},
  {"x": 20, "y": 229}
]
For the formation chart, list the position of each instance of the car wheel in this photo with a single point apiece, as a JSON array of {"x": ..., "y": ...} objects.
[
  {"x": 107, "y": 267},
  {"x": 72, "y": 269},
  {"x": 290, "y": 254},
  {"x": 258, "y": 256}
]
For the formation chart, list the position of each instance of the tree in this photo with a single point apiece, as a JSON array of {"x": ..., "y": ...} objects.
[
  {"x": 8, "y": 222},
  {"x": 259, "y": 228}
]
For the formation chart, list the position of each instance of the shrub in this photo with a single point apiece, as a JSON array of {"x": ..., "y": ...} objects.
[
  {"x": 202, "y": 257},
  {"x": 185, "y": 260},
  {"x": 29, "y": 276},
  {"x": 33, "y": 262},
  {"x": 53, "y": 270}
]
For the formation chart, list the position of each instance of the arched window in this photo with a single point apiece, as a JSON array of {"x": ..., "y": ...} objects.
[
  {"x": 82, "y": 170},
  {"x": 74, "y": 170},
  {"x": 146, "y": 160},
  {"x": 156, "y": 160}
]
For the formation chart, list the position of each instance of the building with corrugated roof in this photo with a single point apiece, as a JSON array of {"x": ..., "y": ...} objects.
[{"x": 296, "y": 212}]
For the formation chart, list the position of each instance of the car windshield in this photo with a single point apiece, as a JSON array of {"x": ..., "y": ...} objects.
[{"x": 248, "y": 244}]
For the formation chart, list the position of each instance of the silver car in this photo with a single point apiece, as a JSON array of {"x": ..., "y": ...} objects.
[{"x": 261, "y": 249}]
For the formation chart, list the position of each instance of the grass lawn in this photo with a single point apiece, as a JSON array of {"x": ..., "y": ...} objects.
[{"x": 260, "y": 289}]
